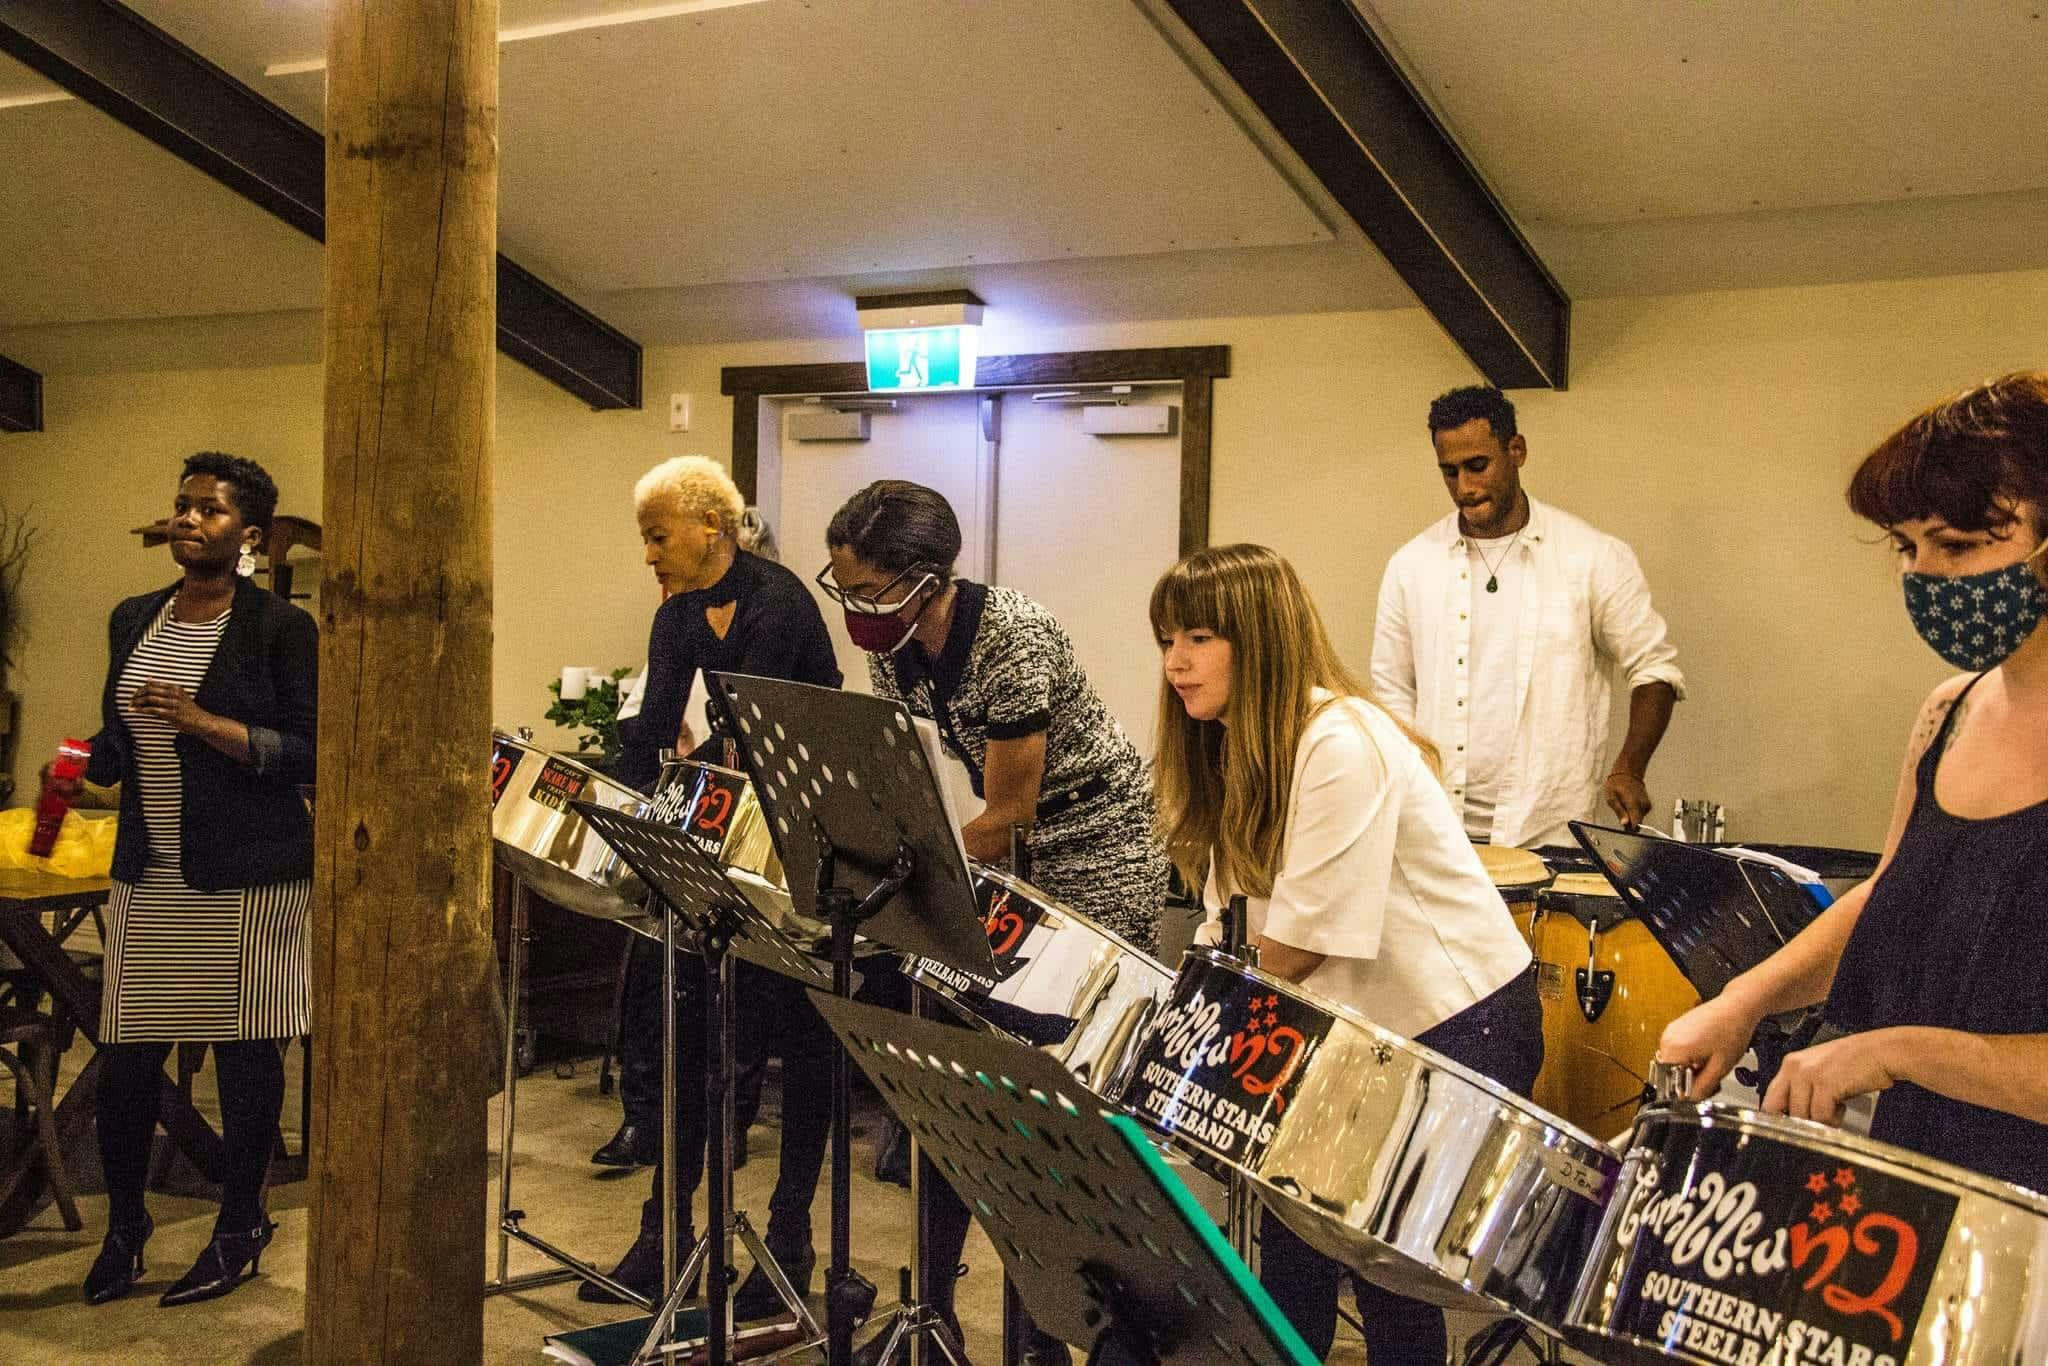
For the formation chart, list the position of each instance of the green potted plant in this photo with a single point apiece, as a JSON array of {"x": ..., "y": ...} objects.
[{"x": 595, "y": 715}]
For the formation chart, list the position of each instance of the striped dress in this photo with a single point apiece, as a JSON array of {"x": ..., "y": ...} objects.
[{"x": 182, "y": 964}]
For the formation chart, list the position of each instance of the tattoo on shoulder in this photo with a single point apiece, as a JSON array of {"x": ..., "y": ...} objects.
[{"x": 1934, "y": 716}]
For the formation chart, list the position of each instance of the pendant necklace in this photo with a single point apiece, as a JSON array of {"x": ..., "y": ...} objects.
[{"x": 1493, "y": 566}]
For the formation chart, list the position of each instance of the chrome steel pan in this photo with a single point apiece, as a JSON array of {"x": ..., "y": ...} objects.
[
  {"x": 1392, "y": 1159},
  {"x": 546, "y": 844},
  {"x": 1735, "y": 1236},
  {"x": 1061, "y": 979},
  {"x": 717, "y": 807}
]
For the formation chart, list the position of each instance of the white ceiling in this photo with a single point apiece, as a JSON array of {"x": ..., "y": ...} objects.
[{"x": 706, "y": 169}]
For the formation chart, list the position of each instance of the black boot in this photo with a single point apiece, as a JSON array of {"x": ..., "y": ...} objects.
[
  {"x": 757, "y": 1298},
  {"x": 1043, "y": 1349},
  {"x": 640, "y": 1269},
  {"x": 228, "y": 1260},
  {"x": 634, "y": 1145},
  {"x": 119, "y": 1265},
  {"x": 892, "y": 1157}
]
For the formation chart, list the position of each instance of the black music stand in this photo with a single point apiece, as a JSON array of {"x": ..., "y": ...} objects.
[
  {"x": 694, "y": 886},
  {"x": 860, "y": 824},
  {"x": 1107, "y": 1249},
  {"x": 1717, "y": 914}
]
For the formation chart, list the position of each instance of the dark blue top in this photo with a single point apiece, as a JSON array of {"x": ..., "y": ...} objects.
[
  {"x": 244, "y": 824},
  {"x": 1952, "y": 938},
  {"x": 776, "y": 632}
]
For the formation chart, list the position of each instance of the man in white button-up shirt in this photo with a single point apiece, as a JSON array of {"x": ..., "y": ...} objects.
[{"x": 1499, "y": 631}]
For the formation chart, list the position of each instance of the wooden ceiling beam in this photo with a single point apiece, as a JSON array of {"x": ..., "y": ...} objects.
[
  {"x": 115, "y": 60},
  {"x": 1328, "y": 86}
]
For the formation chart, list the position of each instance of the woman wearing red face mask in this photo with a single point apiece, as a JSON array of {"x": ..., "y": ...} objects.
[
  {"x": 998, "y": 675},
  {"x": 1933, "y": 964}
]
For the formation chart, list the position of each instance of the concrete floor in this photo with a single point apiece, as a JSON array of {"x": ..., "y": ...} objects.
[{"x": 584, "y": 1209}]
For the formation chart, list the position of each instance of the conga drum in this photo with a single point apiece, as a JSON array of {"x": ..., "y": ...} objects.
[
  {"x": 1518, "y": 876},
  {"x": 1608, "y": 990}
]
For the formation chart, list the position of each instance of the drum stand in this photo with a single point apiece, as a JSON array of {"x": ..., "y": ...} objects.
[
  {"x": 860, "y": 822},
  {"x": 509, "y": 1219}
]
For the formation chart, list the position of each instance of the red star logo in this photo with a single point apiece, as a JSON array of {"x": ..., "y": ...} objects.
[
  {"x": 1822, "y": 1212},
  {"x": 1845, "y": 1177},
  {"x": 1817, "y": 1183},
  {"x": 1849, "y": 1204},
  {"x": 1271, "y": 1019}
]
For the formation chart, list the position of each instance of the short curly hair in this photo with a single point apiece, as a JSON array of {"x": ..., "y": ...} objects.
[
  {"x": 255, "y": 492},
  {"x": 1459, "y": 406},
  {"x": 691, "y": 486}
]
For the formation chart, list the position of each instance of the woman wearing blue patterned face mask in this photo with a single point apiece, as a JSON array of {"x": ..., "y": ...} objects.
[{"x": 1932, "y": 965}]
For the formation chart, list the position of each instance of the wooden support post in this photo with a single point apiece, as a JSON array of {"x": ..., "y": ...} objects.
[{"x": 402, "y": 961}]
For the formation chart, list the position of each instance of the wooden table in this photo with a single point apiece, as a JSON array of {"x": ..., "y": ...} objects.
[{"x": 26, "y": 898}]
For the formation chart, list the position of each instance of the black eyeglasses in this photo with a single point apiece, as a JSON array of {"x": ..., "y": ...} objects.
[{"x": 879, "y": 603}]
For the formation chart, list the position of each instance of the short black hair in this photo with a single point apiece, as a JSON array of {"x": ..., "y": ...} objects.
[
  {"x": 896, "y": 525},
  {"x": 255, "y": 494},
  {"x": 1460, "y": 406}
]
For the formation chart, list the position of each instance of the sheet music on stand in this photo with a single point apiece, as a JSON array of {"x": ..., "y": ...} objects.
[
  {"x": 851, "y": 769},
  {"x": 1717, "y": 914},
  {"x": 1107, "y": 1248}
]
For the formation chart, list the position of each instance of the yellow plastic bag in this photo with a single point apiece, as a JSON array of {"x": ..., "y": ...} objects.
[{"x": 85, "y": 845}]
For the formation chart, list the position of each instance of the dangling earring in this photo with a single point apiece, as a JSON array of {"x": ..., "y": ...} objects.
[{"x": 245, "y": 563}]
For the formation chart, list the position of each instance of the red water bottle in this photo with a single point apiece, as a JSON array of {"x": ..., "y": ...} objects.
[{"x": 65, "y": 771}]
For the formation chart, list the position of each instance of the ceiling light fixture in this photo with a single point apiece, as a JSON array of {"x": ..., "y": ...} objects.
[{"x": 609, "y": 19}]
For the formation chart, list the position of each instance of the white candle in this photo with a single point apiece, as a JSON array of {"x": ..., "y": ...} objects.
[{"x": 575, "y": 683}]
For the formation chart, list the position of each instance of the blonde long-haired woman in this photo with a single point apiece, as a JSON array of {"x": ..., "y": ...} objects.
[{"x": 1281, "y": 780}]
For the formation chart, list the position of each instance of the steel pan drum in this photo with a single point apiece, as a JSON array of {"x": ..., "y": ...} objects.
[
  {"x": 1608, "y": 990},
  {"x": 1059, "y": 975},
  {"x": 546, "y": 844},
  {"x": 1735, "y": 1236},
  {"x": 718, "y": 809},
  {"x": 1390, "y": 1158}
]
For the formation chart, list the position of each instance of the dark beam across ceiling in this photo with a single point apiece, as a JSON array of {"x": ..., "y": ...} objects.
[
  {"x": 118, "y": 62},
  {"x": 21, "y": 398},
  {"x": 1323, "y": 80}
]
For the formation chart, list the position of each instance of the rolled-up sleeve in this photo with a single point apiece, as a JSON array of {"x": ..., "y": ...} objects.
[
  {"x": 1337, "y": 866},
  {"x": 1626, "y": 627}
]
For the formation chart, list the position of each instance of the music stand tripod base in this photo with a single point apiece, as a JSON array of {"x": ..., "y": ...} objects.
[
  {"x": 1106, "y": 1247},
  {"x": 695, "y": 887},
  {"x": 858, "y": 818}
]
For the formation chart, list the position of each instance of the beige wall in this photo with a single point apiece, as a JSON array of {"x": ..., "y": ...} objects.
[{"x": 1714, "y": 432}]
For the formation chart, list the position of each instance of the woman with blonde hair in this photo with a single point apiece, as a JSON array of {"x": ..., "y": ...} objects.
[
  {"x": 1281, "y": 780},
  {"x": 725, "y": 609}
]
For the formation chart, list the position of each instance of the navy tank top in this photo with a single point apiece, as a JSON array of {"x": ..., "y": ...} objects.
[{"x": 1952, "y": 938}]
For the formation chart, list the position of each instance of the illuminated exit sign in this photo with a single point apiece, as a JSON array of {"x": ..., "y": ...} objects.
[{"x": 921, "y": 358}]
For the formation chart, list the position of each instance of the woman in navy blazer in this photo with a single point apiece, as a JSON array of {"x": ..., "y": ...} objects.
[{"x": 207, "y": 724}]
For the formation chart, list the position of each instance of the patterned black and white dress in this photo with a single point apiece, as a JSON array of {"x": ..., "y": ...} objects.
[
  {"x": 1007, "y": 671},
  {"x": 183, "y": 965}
]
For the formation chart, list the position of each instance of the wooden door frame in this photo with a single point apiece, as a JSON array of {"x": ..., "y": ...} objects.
[{"x": 1194, "y": 368}]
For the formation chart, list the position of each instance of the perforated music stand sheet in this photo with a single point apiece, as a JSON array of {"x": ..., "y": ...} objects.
[
  {"x": 693, "y": 883},
  {"x": 1079, "y": 1204},
  {"x": 852, "y": 764},
  {"x": 1716, "y": 914}
]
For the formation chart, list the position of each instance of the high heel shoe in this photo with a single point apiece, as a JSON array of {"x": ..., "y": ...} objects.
[
  {"x": 119, "y": 1265},
  {"x": 228, "y": 1260}
]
